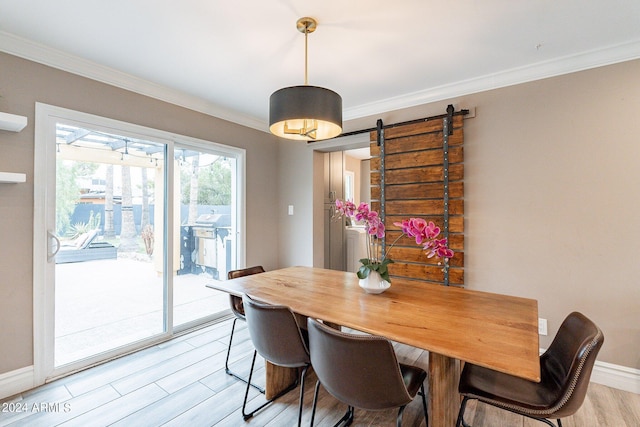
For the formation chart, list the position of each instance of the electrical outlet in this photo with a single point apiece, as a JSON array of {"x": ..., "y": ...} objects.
[
  {"x": 290, "y": 210},
  {"x": 542, "y": 326}
]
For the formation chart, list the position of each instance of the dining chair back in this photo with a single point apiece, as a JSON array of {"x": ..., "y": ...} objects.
[
  {"x": 565, "y": 370},
  {"x": 362, "y": 371}
]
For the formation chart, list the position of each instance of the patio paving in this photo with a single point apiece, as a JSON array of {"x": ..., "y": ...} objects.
[{"x": 105, "y": 304}]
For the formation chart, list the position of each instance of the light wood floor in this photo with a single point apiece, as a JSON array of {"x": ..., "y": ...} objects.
[{"x": 182, "y": 383}]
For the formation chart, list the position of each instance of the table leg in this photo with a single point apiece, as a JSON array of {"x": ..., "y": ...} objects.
[
  {"x": 443, "y": 397},
  {"x": 278, "y": 379}
]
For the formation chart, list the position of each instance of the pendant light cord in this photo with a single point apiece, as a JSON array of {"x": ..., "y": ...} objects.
[{"x": 306, "y": 34}]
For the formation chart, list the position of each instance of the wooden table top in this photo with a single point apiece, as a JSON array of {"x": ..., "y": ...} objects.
[{"x": 496, "y": 331}]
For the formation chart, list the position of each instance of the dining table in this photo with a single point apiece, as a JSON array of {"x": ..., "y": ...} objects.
[{"x": 453, "y": 324}]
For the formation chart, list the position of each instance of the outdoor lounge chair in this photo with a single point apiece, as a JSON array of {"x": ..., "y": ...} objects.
[{"x": 85, "y": 248}]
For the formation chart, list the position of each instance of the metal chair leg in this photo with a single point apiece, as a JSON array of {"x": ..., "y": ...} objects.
[
  {"x": 424, "y": 408},
  {"x": 226, "y": 362},
  {"x": 301, "y": 403},
  {"x": 246, "y": 415},
  {"x": 463, "y": 405},
  {"x": 315, "y": 401},
  {"x": 399, "y": 418},
  {"x": 548, "y": 422},
  {"x": 424, "y": 405},
  {"x": 349, "y": 415},
  {"x": 347, "y": 418}
]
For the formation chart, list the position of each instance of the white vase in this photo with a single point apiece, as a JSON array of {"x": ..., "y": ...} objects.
[{"x": 374, "y": 283}]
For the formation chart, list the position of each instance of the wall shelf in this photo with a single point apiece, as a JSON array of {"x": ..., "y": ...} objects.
[
  {"x": 12, "y": 178},
  {"x": 12, "y": 122}
]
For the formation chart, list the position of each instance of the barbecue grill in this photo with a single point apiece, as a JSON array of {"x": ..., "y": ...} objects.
[{"x": 206, "y": 229}]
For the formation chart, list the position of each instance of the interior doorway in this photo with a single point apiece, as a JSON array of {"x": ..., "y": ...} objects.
[{"x": 346, "y": 177}]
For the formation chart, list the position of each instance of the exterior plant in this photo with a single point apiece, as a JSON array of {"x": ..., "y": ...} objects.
[{"x": 425, "y": 234}]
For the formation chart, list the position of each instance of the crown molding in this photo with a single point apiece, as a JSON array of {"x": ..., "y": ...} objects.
[
  {"x": 45, "y": 55},
  {"x": 541, "y": 70},
  {"x": 42, "y": 54}
]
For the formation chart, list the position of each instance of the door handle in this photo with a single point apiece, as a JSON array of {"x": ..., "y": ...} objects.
[{"x": 51, "y": 255}]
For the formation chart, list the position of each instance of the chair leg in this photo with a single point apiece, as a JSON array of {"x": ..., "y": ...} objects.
[
  {"x": 399, "y": 418},
  {"x": 543, "y": 420},
  {"x": 226, "y": 362},
  {"x": 347, "y": 418},
  {"x": 463, "y": 405},
  {"x": 315, "y": 401},
  {"x": 246, "y": 393},
  {"x": 246, "y": 415},
  {"x": 301, "y": 403},
  {"x": 351, "y": 414},
  {"x": 424, "y": 405},
  {"x": 548, "y": 422}
]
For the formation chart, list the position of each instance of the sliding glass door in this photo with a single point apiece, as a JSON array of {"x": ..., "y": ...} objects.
[
  {"x": 109, "y": 275},
  {"x": 130, "y": 225}
]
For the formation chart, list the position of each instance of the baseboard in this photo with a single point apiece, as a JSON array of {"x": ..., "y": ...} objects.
[
  {"x": 616, "y": 376},
  {"x": 15, "y": 382}
]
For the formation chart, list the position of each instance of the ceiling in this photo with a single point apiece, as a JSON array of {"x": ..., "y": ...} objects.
[{"x": 226, "y": 58}]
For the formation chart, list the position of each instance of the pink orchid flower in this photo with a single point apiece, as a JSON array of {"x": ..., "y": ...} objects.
[
  {"x": 425, "y": 233},
  {"x": 419, "y": 229},
  {"x": 346, "y": 208}
]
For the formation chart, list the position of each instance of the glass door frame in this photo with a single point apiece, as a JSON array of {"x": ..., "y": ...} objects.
[{"x": 44, "y": 226}]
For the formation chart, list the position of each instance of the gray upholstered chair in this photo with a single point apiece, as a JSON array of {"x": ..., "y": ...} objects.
[
  {"x": 238, "y": 312},
  {"x": 362, "y": 371},
  {"x": 565, "y": 369},
  {"x": 278, "y": 339}
]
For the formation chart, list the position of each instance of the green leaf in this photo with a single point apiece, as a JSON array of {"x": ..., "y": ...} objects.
[
  {"x": 363, "y": 272},
  {"x": 387, "y": 261},
  {"x": 382, "y": 269},
  {"x": 385, "y": 276}
]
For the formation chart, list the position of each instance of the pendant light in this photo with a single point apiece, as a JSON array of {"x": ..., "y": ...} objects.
[{"x": 305, "y": 113}]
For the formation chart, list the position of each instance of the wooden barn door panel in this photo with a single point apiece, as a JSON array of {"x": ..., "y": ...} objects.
[{"x": 414, "y": 177}]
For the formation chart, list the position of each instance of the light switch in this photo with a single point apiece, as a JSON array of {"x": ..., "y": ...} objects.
[{"x": 290, "y": 209}]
